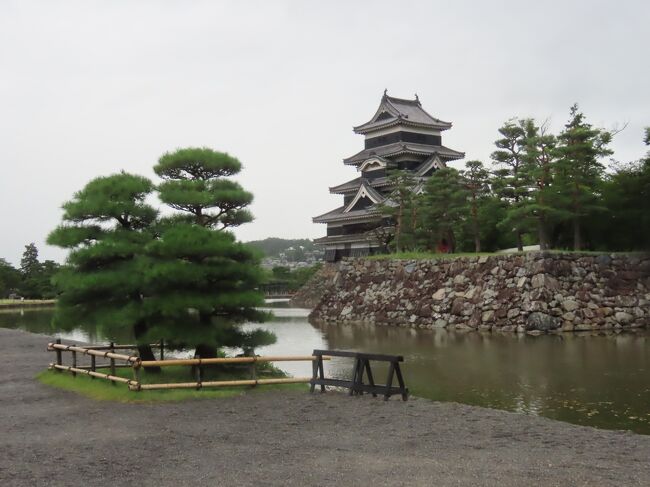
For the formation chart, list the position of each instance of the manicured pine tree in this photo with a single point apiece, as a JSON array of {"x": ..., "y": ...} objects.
[
  {"x": 443, "y": 206},
  {"x": 538, "y": 156},
  {"x": 475, "y": 178},
  {"x": 401, "y": 208},
  {"x": 514, "y": 187},
  {"x": 106, "y": 227},
  {"x": 202, "y": 283},
  {"x": 579, "y": 171}
]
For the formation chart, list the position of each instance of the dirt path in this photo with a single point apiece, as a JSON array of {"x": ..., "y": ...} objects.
[{"x": 52, "y": 437}]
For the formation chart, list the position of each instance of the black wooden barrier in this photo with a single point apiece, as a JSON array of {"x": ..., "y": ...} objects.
[{"x": 361, "y": 365}]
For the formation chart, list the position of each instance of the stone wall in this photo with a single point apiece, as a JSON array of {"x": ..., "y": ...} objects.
[
  {"x": 533, "y": 292},
  {"x": 309, "y": 295}
]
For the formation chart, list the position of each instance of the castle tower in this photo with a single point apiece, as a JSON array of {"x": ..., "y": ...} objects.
[{"x": 401, "y": 135}]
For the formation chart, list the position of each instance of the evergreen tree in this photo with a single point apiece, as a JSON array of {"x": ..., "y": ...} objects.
[
  {"x": 476, "y": 182},
  {"x": 202, "y": 282},
  {"x": 443, "y": 207},
  {"x": 538, "y": 157},
  {"x": 401, "y": 208},
  {"x": 514, "y": 186},
  {"x": 106, "y": 227},
  {"x": 578, "y": 171},
  {"x": 29, "y": 264}
]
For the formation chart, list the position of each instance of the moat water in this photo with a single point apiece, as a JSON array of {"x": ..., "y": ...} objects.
[{"x": 589, "y": 379}]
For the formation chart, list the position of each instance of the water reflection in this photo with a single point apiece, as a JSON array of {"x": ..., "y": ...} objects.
[{"x": 598, "y": 380}]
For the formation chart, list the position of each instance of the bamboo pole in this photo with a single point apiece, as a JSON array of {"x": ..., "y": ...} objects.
[
  {"x": 220, "y": 383},
  {"x": 229, "y": 360},
  {"x": 113, "y": 378},
  {"x": 119, "y": 347},
  {"x": 97, "y": 353}
]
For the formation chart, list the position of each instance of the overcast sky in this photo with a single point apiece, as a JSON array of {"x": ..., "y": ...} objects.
[{"x": 89, "y": 88}]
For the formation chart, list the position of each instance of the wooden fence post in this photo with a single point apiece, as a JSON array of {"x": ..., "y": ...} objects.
[
  {"x": 198, "y": 374},
  {"x": 112, "y": 350},
  {"x": 162, "y": 349},
  {"x": 74, "y": 362},
  {"x": 93, "y": 365},
  {"x": 59, "y": 360}
]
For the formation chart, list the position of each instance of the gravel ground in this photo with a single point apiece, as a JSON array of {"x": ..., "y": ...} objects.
[{"x": 53, "y": 437}]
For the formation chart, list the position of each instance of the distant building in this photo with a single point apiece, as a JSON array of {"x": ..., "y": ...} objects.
[{"x": 401, "y": 135}]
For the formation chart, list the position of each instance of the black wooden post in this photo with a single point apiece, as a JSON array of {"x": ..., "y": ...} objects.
[
  {"x": 92, "y": 365},
  {"x": 198, "y": 373},
  {"x": 59, "y": 359},
  {"x": 74, "y": 362},
  {"x": 112, "y": 350},
  {"x": 355, "y": 376},
  {"x": 389, "y": 380},
  {"x": 371, "y": 381},
  {"x": 321, "y": 372},
  {"x": 162, "y": 349},
  {"x": 314, "y": 374},
  {"x": 400, "y": 381}
]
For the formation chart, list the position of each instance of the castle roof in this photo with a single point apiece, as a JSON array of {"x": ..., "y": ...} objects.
[
  {"x": 394, "y": 111},
  {"x": 398, "y": 148}
]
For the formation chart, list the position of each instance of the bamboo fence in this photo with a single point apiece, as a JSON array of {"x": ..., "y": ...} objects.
[{"x": 136, "y": 364}]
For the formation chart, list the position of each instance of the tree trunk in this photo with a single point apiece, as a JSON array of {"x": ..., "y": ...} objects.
[
  {"x": 398, "y": 229},
  {"x": 542, "y": 233},
  {"x": 144, "y": 349},
  {"x": 577, "y": 236},
  {"x": 205, "y": 350},
  {"x": 452, "y": 241},
  {"x": 520, "y": 243}
]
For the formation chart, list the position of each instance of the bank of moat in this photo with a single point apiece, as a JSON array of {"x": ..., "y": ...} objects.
[{"x": 534, "y": 292}]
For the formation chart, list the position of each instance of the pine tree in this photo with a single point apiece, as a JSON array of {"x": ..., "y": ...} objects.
[
  {"x": 29, "y": 264},
  {"x": 443, "y": 207},
  {"x": 514, "y": 187},
  {"x": 578, "y": 171},
  {"x": 401, "y": 208},
  {"x": 106, "y": 227},
  {"x": 202, "y": 282},
  {"x": 538, "y": 157},
  {"x": 475, "y": 178}
]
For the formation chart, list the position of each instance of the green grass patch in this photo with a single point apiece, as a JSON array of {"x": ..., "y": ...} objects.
[
  {"x": 17, "y": 303},
  {"x": 104, "y": 390},
  {"x": 426, "y": 256}
]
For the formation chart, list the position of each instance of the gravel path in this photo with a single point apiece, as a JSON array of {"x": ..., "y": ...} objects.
[{"x": 53, "y": 437}]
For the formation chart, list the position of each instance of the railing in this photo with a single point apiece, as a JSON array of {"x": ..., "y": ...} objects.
[
  {"x": 361, "y": 365},
  {"x": 137, "y": 364}
]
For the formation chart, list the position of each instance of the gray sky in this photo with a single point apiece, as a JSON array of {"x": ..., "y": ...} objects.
[{"x": 88, "y": 88}]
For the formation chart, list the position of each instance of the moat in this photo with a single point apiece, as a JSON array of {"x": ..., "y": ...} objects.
[{"x": 600, "y": 380}]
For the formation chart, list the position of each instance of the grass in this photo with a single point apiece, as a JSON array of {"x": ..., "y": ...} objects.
[
  {"x": 103, "y": 390},
  {"x": 437, "y": 256},
  {"x": 25, "y": 302},
  {"x": 426, "y": 255}
]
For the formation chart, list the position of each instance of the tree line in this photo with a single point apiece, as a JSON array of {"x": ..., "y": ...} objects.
[
  {"x": 32, "y": 280},
  {"x": 181, "y": 276},
  {"x": 540, "y": 188}
]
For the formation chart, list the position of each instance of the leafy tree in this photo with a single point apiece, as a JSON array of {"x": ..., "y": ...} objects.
[
  {"x": 476, "y": 182},
  {"x": 443, "y": 207},
  {"x": 197, "y": 267},
  {"x": 514, "y": 185},
  {"x": 106, "y": 227},
  {"x": 626, "y": 195},
  {"x": 578, "y": 171},
  {"x": 10, "y": 278}
]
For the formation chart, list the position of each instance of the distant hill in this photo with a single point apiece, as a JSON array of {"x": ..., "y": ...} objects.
[{"x": 273, "y": 246}]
